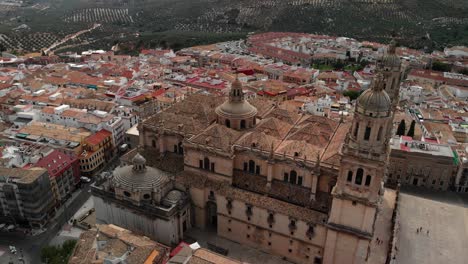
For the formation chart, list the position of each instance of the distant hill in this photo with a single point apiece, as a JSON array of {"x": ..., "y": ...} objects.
[{"x": 419, "y": 23}]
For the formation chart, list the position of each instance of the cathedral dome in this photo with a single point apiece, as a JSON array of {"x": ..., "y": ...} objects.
[
  {"x": 391, "y": 59},
  {"x": 236, "y": 106},
  {"x": 374, "y": 100},
  {"x": 236, "y": 109},
  {"x": 139, "y": 177}
]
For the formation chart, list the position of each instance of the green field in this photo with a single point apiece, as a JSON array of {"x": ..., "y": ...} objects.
[{"x": 431, "y": 24}]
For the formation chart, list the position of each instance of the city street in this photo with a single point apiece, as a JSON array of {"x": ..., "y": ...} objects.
[{"x": 32, "y": 245}]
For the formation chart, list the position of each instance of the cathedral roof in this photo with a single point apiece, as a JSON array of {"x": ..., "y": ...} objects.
[{"x": 217, "y": 136}]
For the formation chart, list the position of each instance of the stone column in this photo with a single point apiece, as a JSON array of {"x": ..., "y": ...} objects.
[
  {"x": 162, "y": 148},
  {"x": 313, "y": 189},
  {"x": 269, "y": 174}
]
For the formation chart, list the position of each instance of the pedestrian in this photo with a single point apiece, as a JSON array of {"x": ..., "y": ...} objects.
[
  {"x": 427, "y": 232},
  {"x": 417, "y": 231}
]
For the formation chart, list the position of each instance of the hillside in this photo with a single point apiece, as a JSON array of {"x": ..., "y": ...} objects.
[{"x": 419, "y": 23}]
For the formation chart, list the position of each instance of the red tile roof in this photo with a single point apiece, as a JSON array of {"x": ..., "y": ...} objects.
[
  {"x": 56, "y": 162},
  {"x": 98, "y": 137}
]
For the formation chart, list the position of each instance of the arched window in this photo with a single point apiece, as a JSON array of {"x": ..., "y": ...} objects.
[
  {"x": 379, "y": 134},
  {"x": 206, "y": 162},
  {"x": 292, "y": 177},
  {"x": 368, "y": 180},
  {"x": 350, "y": 176},
  {"x": 356, "y": 130},
  {"x": 153, "y": 143},
  {"x": 242, "y": 125},
  {"x": 251, "y": 166},
  {"x": 359, "y": 175},
  {"x": 228, "y": 123},
  {"x": 367, "y": 133}
]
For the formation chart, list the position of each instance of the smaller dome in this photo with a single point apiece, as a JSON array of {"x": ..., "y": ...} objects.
[
  {"x": 173, "y": 197},
  {"x": 375, "y": 99},
  {"x": 391, "y": 60},
  {"x": 138, "y": 159}
]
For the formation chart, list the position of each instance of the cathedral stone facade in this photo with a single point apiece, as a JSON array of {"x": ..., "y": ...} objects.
[{"x": 306, "y": 188}]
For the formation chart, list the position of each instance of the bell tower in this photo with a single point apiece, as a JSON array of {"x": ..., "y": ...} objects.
[
  {"x": 390, "y": 66},
  {"x": 359, "y": 187}
]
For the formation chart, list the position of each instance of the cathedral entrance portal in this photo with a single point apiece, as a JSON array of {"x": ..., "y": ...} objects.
[{"x": 212, "y": 214}]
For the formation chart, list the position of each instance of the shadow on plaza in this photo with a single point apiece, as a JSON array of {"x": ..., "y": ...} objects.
[{"x": 454, "y": 198}]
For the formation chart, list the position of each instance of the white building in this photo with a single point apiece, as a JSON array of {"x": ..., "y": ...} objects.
[{"x": 412, "y": 93}]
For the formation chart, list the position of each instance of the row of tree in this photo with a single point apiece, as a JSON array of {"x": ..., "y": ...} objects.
[{"x": 402, "y": 128}]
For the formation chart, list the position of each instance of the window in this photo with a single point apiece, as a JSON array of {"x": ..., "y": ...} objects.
[
  {"x": 367, "y": 133},
  {"x": 242, "y": 124},
  {"x": 441, "y": 183},
  {"x": 359, "y": 175},
  {"x": 153, "y": 143},
  {"x": 299, "y": 180},
  {"x": 246, "y": 166},
  {"x": 146, "y": 196},
  {"x": 212, "y": 167},
  {"x": 206, "y": 165},
  {"x": 127, "y": 194},
  {"x": 228, "y": 123},
  {"x": 293, "y": 176},
  {"x": 286, "y": 177},
  {"x": 257, "y": 170},
  {"x": 175, "y": 148},
  {"x": 356, "y": 130},
  {"x": 251, "y": 166},
  {"x": 379, "y": 134},
  {"x": 350, "y": 176},
  {"x": 368, "y": 180}
]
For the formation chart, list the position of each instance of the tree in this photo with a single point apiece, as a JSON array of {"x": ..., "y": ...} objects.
[
  {"x": 401, "y": 128},
  {"x": 353, "y": 95},
  {"x": 411, "y": 129},
  {"x": 440, "y": 66},
  {"x": 58, "y": 254}
]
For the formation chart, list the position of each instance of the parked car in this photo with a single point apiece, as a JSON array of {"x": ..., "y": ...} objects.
[
  {"x": 13, "y": 249},
  {"x": 85, "y": 179}
]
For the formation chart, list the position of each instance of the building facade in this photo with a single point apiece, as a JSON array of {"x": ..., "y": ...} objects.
[
  {"x": 64, "y": 173},
  {"x": 143, "y": 199},
  {"x": 419, "y": 163},
  {"x": 26, "y": 197},
  {"x": 307, "y": 188}
]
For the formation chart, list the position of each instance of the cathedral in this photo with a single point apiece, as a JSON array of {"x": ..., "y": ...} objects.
[{"x": 306, "y": 188}]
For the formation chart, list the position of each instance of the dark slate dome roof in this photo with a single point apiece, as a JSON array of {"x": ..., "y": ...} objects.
[{"x": 148, "y": 179}]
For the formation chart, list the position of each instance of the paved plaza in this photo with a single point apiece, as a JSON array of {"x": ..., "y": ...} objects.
[
  {"x": 236, "y": 251},
  {"x": 443, "y": 217}
]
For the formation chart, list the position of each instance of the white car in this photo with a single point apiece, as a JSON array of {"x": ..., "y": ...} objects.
[
  {"x": 13, "y": 249},
  {"x": 85, "y": 179}
]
